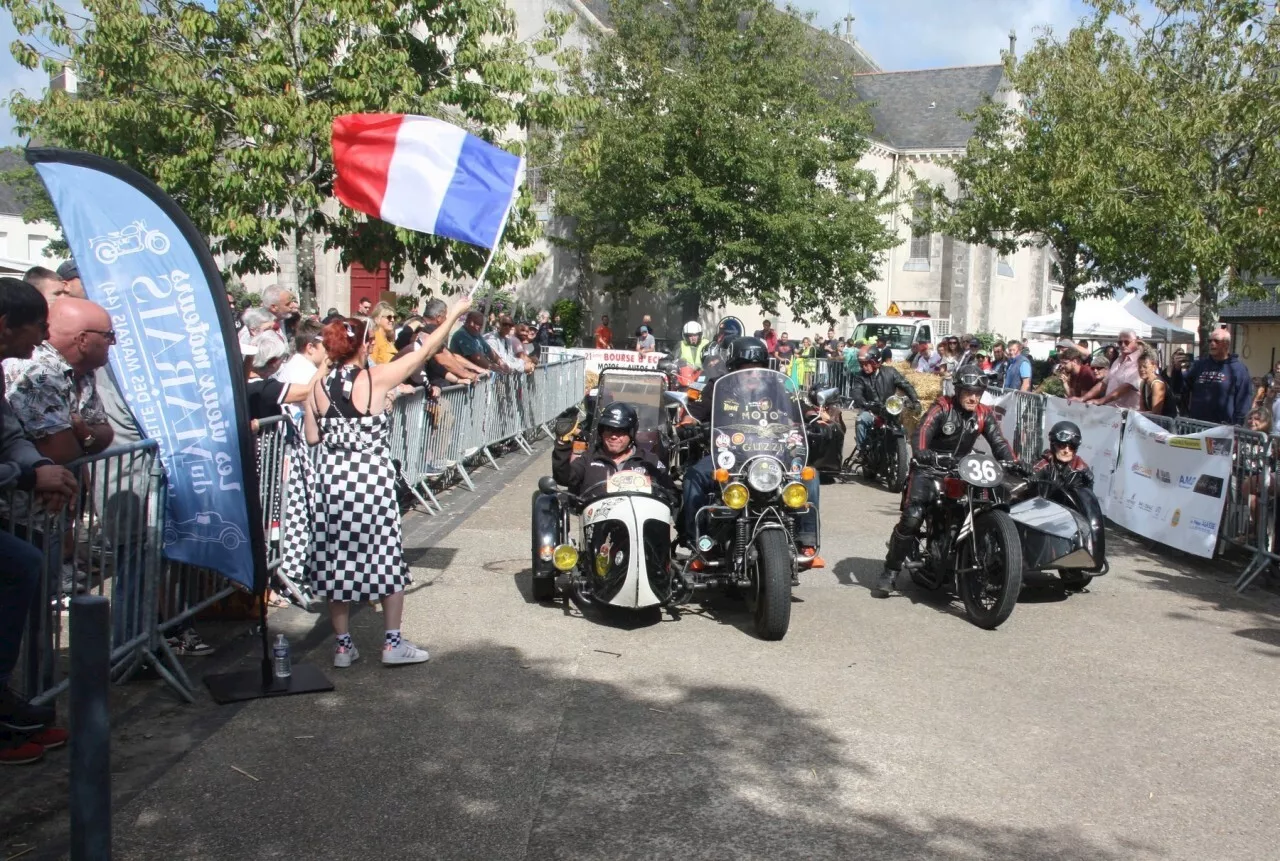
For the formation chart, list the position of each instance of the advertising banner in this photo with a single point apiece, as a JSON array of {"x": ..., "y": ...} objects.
[
  {"x": 1006, "y": 409},
  {"x": 1172, "y": 488},
  {"x": 175, "y": 352},
  {"x": 597, "y": 359},
  {"x": 1100, "y": 428}
]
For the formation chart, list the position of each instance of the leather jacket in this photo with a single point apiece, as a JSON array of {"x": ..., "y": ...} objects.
[
  {"x": 865, "y": 389},
  {"x": 589, "y": 473},
  {"x": 947, "y": 429},
  {"x": 1075, "y": 473}
]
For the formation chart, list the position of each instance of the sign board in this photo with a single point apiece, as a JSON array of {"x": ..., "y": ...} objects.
[
  {"x": 1100, "y": 429},
  {"x": 1172, "y": 488},
  {"x": 597, "y": 359},
  {"x": 893, "y": 310}
]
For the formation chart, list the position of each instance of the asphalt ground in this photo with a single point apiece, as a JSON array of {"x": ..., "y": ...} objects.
[{"x": 1137, "y": 720}]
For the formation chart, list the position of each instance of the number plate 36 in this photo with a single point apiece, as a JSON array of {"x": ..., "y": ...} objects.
[{"x": 980, "y": 470}]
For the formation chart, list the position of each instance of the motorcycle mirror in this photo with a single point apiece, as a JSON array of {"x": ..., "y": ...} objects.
[
  {"x": 547, "y": 484},
  {"x": 823, "y": 396},
  {"x": 681, "y": 398}
]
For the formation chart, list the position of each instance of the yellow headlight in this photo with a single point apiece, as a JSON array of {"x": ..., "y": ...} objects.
[
  {"x": 795, "y": 495},
  {"x": 735, "y": 496},
  {"x": 566, "y": 557}
]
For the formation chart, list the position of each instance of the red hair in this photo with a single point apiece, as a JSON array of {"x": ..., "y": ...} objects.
[{"x": 342, "y": 339}]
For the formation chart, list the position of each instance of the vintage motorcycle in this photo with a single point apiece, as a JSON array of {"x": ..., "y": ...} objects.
[
  {"x": 886, "y": 455},
  {"x": 745, "y": 535},
  {"x": 971, "y": 545},
  {"x": 825, "y": 420},
  {"x": 1062, "y": 529}
]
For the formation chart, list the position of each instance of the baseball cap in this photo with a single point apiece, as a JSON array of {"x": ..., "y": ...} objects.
[
  {"x": 644, "y": 329},
  {"x": 974, "y": 342},
  {"x": 1067, "y": 344},
  {"x": 68, "y": 270}
]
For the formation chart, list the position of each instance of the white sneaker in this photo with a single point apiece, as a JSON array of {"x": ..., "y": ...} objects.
[
  {"x": 343, "y": 656},
  {"x": 405, "y": 653}
]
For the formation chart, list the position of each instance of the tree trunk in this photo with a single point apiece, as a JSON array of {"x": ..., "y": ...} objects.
[
  {"x": 1069, "y": 276},
  {"x": 1208, "y": 298},
  {"x": 1067, "y": 320},
  {"x": 287, "y": 263}
]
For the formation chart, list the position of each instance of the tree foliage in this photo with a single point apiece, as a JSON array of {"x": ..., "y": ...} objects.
[
  {"x": 229, "y": 109},
  {"x": 720, "y": 160},
  {"x": 1198, "y": 144},
  {"x": 1036, "y": 168}
]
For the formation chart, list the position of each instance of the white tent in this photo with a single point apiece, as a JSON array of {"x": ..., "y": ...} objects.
[{"x": 1105, "y": 319}]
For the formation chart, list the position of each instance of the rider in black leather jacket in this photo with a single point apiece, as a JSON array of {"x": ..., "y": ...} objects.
[{"x": 615, "y": 451}]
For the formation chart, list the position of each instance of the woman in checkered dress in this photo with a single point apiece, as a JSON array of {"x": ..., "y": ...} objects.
[{"x": 356, "y": 552}]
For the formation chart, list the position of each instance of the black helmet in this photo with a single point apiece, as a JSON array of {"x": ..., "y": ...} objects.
[
  {"x": 970, "y": 379},
  {"x": 730, "y": 328},
  {"x": 620, "y": 416},
  {"x": 1064, "y": 433},
  {"x": 747, "y": 351},
  {"x": 870, "y": 356}
]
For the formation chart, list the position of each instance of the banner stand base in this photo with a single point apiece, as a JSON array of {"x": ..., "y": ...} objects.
[{"x": 248, "y": 684}]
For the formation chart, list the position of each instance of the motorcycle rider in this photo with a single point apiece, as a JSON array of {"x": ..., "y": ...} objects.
[
  {"x": 875, "y": 385},
  {"x": 691, "y": 345},
  {"x": 1061, "y": 465},
  {"x": 950, "y": 427},
  {"x": 730, "y": 329},
  {"x": 615, "y": 451},
  {"x": 699, "y": 478}
]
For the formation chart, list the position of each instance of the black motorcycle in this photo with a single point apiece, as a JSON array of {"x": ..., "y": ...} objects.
[
  {"x": 745, "y": 536},
  {"x": 886, "y": 454},
  {"x": 971, "y": 546}
]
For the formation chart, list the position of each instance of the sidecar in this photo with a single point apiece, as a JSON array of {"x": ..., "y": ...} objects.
[{"x": 1062, "y": 529}]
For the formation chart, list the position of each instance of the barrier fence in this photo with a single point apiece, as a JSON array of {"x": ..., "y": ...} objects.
[
  {"x": 108, "y": 542},
  {"x": 1249, "y": 512}
]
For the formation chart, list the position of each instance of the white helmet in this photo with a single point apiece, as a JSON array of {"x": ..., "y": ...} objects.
[{"x": 693, "y": 327}]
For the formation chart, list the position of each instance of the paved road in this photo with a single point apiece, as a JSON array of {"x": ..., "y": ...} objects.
[{"x": 1137, "y": 721}]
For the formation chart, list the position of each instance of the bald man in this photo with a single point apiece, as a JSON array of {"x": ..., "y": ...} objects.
[{"x": 52, "y": 394}]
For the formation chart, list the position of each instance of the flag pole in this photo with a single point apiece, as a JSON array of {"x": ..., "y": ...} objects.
[{"x": 497, "y": 241}]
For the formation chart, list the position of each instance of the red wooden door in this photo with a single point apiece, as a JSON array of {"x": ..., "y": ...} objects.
[{"x": 368, "y": 285}]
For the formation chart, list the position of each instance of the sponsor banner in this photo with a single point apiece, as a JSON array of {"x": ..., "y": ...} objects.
[
  {"x": 1100, "y": 428},
  {"x": 1006, "y": 409},
  {"x": 1171, "y": 487},
  {"x": 597, "y": 359},
  {"x": 175, "y": 353}
]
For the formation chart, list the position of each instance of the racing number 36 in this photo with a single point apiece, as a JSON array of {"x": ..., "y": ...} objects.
[{"x": 980, "y": 471}]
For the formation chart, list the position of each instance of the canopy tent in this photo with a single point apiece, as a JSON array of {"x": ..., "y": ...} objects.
[{"x": 1105, "y": 319}]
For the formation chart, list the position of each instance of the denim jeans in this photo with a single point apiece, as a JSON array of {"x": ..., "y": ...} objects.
[
  {"x": 865, "y": 420},
  {"x": 19, "y": 585}
]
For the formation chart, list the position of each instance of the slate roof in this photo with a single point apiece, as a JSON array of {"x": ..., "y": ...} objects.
[
  {"x": 901, "y": 104},
  {"x": 1243, "y": 310},
  {"x": 9, "y": 203}
]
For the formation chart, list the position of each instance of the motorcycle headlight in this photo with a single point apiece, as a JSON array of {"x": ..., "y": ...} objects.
[
  {"x": 795, "y": 495},
  {"x": 735, "y": 496},
  {"x": 894, "y": 405},
  {"x": 565, "y": 557},
  {"x": 764, "y": 475}
]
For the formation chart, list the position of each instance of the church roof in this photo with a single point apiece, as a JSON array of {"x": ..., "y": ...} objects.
[{"x": 921, "y": 109}]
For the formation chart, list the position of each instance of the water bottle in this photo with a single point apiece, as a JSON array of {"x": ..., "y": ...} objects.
[{"x": 280, "y": 658}]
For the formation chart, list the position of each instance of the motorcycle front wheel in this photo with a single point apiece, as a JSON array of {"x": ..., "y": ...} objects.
[
  {"x": 771, "y": 582},
  {"x": 990, "y": 580},
  {"x": 899, "y": 465}
]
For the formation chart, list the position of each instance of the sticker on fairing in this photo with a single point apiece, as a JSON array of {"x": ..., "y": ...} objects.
[{"x": 725, "y": 460}]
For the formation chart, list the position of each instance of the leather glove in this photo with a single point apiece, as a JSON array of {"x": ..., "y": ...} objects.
[
  {"x": 926, "y": 457},
  {"x": 1016, "y": 467},
  {"x": 566, "y": 423},
  {"x": 688, "y": 432}
]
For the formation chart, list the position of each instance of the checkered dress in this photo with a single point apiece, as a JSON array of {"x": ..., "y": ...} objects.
[
  {"x": 299, "y": 510},
  {"x": 356, "y": 530}
]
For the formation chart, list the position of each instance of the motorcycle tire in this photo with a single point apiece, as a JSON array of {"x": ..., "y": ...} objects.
[
  {"x": 1074, "y": 581},
  {"x": 772, "y": 584},
  {"x": 988, "y": 608},
  {"x": 899, "y": 466}
]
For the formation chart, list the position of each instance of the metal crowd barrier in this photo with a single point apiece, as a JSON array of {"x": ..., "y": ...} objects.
[{"x": 1250, "y": 510}]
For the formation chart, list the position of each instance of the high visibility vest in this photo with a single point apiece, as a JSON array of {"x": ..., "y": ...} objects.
[{"x": 690, "y": 354}]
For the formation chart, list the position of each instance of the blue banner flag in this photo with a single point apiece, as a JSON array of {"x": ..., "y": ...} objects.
[{"x": 176, "y": 354}]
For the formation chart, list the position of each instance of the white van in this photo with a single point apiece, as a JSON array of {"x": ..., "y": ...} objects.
[{"x": 899, "y": 333}]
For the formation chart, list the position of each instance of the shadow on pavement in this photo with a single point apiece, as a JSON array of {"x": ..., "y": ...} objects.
[{"x": 510, "y": 757}]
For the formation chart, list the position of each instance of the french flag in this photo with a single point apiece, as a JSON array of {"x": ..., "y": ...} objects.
[{"x": 425, "y": 174}]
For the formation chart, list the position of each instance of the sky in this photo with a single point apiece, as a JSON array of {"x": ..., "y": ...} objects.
[{"x": 898, "y": 34}]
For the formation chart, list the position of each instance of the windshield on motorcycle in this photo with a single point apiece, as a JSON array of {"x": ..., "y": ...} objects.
[
  {"x": 643, "y": 390},
  {"x": 757, "y": 412}
]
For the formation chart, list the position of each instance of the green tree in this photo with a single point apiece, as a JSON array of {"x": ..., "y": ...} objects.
[
  {"x": 720, "y": 162},
  {"x": 229, "y": 109},
  {"x": 1033, "y": 171},
  {"x": 1196, "y": 146}
]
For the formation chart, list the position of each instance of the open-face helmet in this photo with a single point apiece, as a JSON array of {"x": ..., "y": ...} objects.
[
  {"x": 747, "y": 351},
  {"x": 970, "y": 379},
  {"x": 620, "y": 415},
  {"x": 1065, "y": 434}
]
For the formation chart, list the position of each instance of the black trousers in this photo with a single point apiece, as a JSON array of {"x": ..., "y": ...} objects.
[{"x": 922, "y": 492}]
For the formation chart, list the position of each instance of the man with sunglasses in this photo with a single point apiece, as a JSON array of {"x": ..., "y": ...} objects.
[
  {"x": 1123, "y": 382},
  {"x": 53, "y": 394}
]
